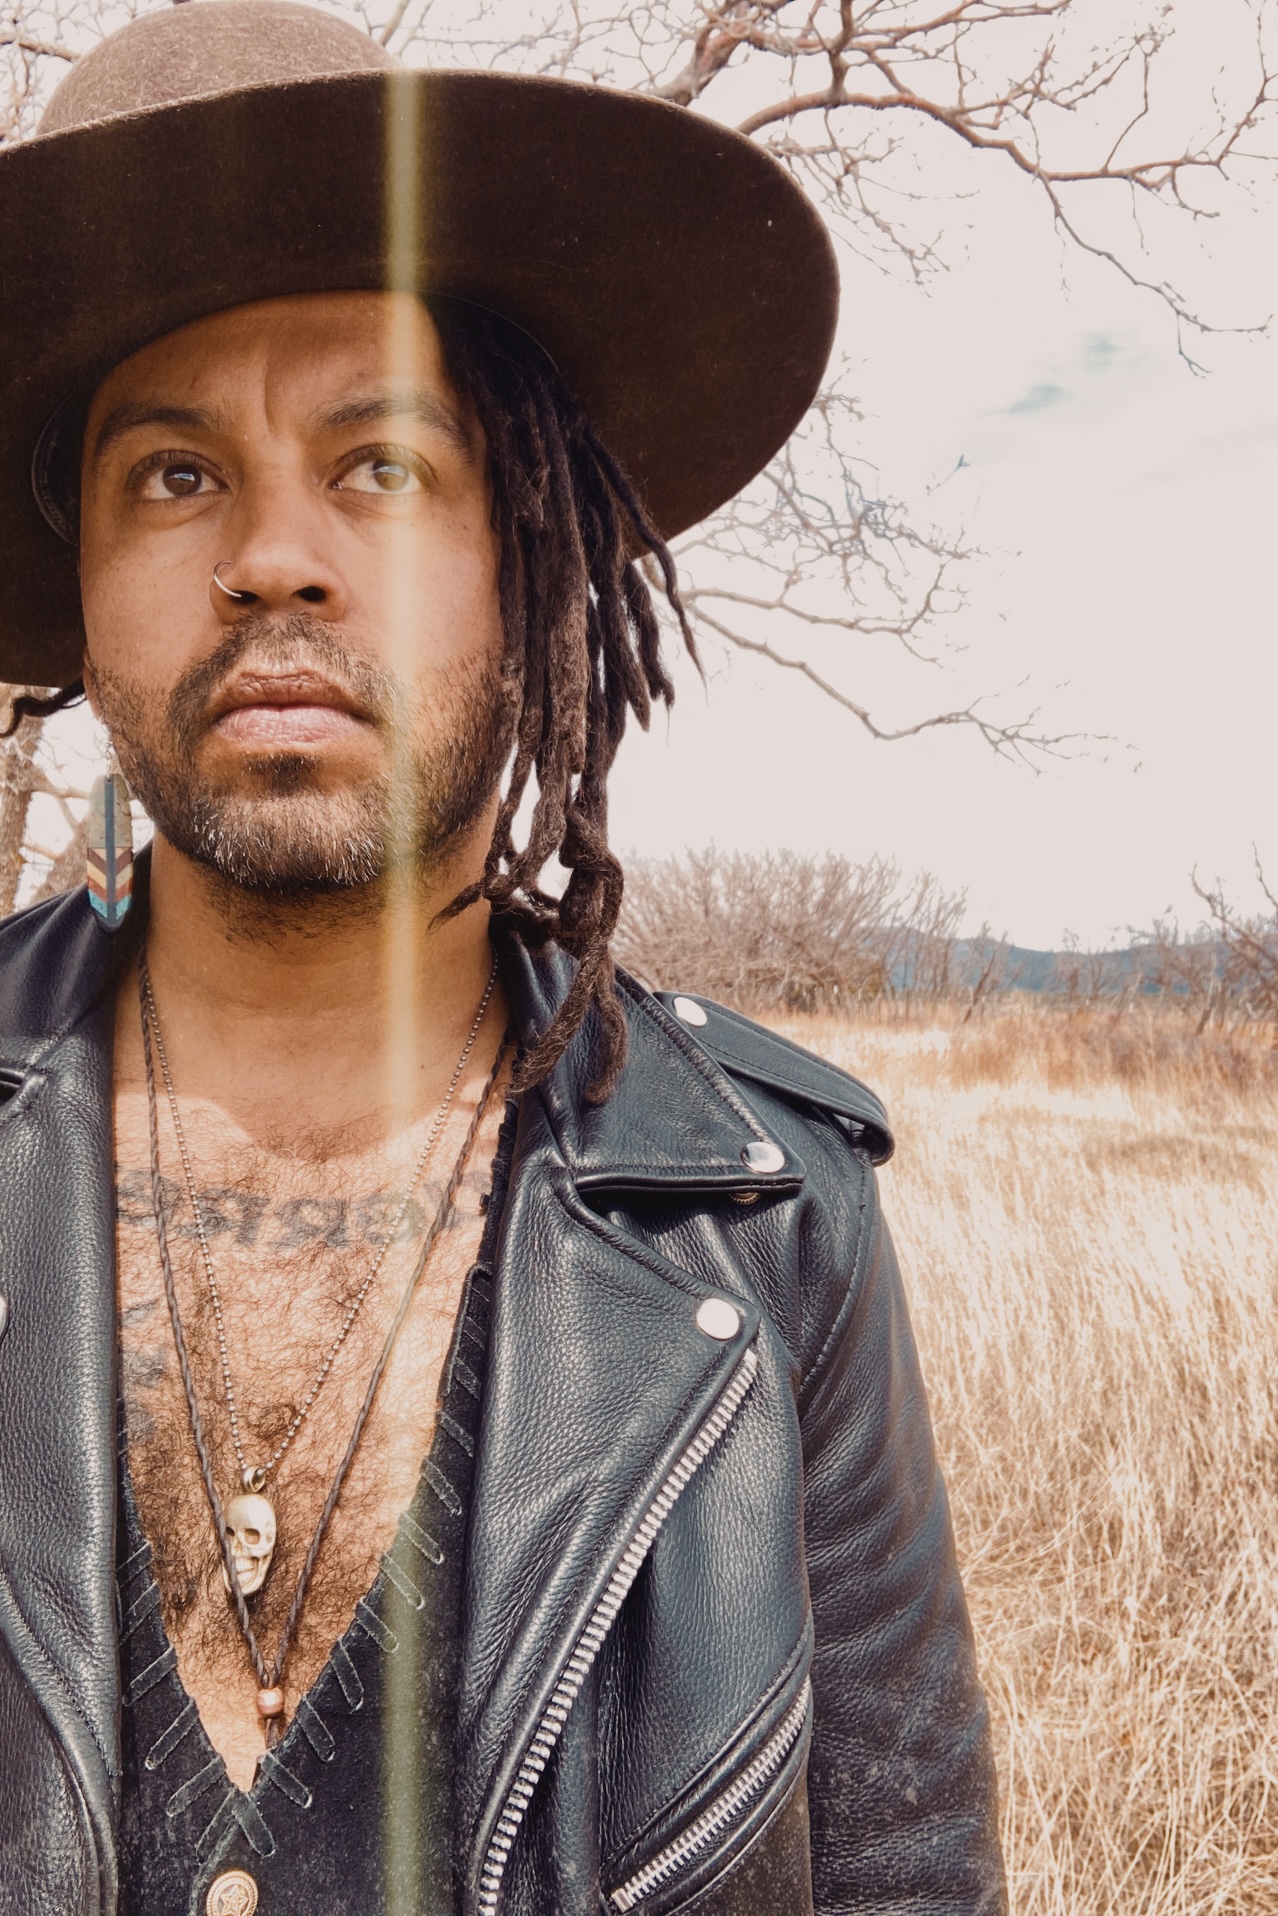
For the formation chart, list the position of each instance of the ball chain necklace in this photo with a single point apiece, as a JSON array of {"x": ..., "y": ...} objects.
[{"x": 246, "y": 1524}]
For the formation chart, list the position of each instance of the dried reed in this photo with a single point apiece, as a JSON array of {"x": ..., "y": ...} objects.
[{"x": 1087, "y": 1214}]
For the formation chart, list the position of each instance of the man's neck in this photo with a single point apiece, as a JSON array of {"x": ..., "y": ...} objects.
[{"x": 346, "y": 1009}]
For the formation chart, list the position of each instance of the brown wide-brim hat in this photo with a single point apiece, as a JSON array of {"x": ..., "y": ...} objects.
[{"x": 237, "y": 150}]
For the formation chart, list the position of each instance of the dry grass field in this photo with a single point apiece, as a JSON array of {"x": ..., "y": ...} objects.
[{"x": 1087, "y": 1214}]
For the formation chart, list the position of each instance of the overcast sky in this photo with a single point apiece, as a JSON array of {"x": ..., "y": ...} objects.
[{"x": 1124, "y": 509}]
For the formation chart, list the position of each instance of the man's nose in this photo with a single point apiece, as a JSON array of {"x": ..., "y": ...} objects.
[{"x": 275, "y": 568}]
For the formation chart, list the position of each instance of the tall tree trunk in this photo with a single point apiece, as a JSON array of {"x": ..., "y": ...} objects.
[
  {"x": 67, "y": 869},
  {"x": 17, "y": 765}
]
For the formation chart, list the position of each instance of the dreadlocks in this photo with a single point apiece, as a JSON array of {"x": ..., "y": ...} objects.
[
  {"x": 582, "y": 650},
  {"x": 28, "y": 705}
]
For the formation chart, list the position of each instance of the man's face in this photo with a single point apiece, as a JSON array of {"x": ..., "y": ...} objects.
[{"x": 315, "y": 452}]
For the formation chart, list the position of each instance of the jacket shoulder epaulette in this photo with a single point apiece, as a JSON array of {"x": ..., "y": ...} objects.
[{"x": 748, "y": 1050}]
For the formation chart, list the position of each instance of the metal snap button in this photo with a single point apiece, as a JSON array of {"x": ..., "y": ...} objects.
[
  {"x": 233, "y": 1893},
  {"x": 4, "y": 1314},
  {"x": 763, "y": 1156},
  {"x": 690, "y": 1011},
  {"x": 718, "y": 1319}
]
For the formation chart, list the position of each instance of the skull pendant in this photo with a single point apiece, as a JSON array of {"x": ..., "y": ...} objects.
[{"x": 251, "y": 1522}]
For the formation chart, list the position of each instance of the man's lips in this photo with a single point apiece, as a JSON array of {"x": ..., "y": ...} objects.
[
  {"x": 273, "y": 726},
  {"x": 277, "y": 710}
]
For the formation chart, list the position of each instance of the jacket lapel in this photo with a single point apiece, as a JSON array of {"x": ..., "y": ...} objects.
[
  {"x": 598, "y": 1378},
  {"x": 57, "y": 1353},
  {"x": 676, "y": 1121}
]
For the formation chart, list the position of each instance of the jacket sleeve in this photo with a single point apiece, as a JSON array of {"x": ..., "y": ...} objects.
[{"x": 901, "y": 1777}]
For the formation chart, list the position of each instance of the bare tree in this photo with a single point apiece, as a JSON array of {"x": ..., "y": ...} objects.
[
  {"x": 64, "y": 869},
  {"x": 1186, "y": 970},
  {"x": 761, "y": 930},
  {"x": 1062, "y": 93},
  {"x": 992, "y": 966},
  {"x": 1225, "y": 972},
  {"x": 1247, "y": 951},
  {"x": 776, "y": 931},
  {"x": 38, "y": 42},
  {"x": 1081, "y": 976},
  {"x": 18, "y": 774},
  {"x": 27, "y": 768},
  {"x": 921, "y": 932}
]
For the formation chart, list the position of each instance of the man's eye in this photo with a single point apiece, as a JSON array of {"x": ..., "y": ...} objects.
[
  {"x": 381, "y": 474},
  {"x": 176, "y": 479}
]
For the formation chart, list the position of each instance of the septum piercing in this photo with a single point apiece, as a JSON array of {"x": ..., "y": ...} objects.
[{"x": 239, "y": 597}]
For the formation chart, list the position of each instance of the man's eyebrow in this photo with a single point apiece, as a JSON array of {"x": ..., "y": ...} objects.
[
  {"x": 131, "y": 413},
  {"x": 399, "y": 403}
]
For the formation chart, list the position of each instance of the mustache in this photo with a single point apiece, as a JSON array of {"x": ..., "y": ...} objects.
[{"x": 294, "y": 642}]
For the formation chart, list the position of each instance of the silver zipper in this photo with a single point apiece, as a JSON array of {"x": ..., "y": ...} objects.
[
  {"x": 712, "y": 1822},
  {"x": 587, "y": 1648}
]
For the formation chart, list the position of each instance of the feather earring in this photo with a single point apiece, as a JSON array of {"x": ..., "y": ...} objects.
[{"x": 109, "y": 849}]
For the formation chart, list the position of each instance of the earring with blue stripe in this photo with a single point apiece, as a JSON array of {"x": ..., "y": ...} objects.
[{"x": 109, "y": 848}]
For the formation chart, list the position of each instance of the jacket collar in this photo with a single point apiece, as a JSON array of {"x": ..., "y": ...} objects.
[{"x": 675, "y": 1121}]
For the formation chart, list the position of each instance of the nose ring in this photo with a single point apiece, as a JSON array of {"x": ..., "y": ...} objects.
[{"x": 241, "y": 598}]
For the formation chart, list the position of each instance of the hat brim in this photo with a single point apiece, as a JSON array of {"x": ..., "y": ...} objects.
[{"x": 680, "y": 280}]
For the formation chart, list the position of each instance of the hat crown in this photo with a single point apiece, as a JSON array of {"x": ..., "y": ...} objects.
[{"x": 193, "y": 51}]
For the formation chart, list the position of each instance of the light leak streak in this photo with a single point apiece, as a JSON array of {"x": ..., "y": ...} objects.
[
  {"x": 404, "y": 217},
  {"x": 403, "y": 225}
]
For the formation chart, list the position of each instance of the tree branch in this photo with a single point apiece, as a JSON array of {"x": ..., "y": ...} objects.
[
  {"x": 1017, "y": 740},
  {"x": 39, "y": 49}
]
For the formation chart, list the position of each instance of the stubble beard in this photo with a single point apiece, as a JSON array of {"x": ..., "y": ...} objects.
[{"x": 277, "y": 833}]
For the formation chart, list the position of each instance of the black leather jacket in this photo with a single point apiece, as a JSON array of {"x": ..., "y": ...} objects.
[{"x": 716, "y": 1654}]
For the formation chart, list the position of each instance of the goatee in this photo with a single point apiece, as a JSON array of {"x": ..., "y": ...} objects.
[{"x": 278, "y": 831}]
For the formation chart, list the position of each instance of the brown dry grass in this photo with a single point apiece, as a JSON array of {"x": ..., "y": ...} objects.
[{"x": 1087, "y": 1215}]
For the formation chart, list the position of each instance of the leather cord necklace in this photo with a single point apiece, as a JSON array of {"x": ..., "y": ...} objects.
[{"x": 270, "y": 1696}]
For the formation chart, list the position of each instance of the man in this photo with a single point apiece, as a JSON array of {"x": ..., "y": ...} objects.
[{"x": 461, "y": 1443}]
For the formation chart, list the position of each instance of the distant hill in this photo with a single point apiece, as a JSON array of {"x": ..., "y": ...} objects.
[{"x": 1020, "y": 968}]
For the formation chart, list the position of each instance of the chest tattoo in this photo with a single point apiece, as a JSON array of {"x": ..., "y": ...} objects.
[
  {"x": 253, "y": 1219},
  {"x": 291, "y": 1255}
]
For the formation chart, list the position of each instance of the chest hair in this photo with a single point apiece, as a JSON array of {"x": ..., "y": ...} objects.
[{"x": 292, "y": 1238}]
